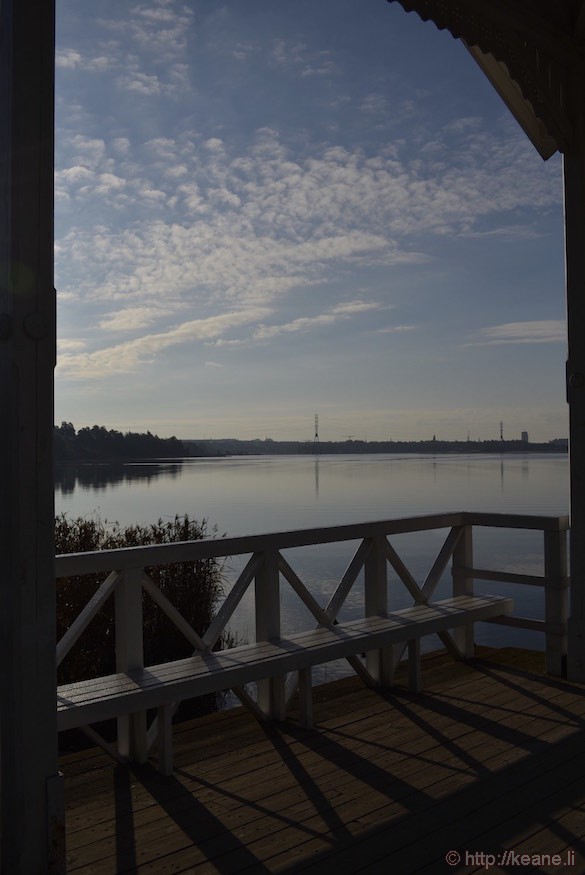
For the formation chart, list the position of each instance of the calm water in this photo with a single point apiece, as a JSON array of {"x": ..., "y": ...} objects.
[{"x": 248, "y": 495}]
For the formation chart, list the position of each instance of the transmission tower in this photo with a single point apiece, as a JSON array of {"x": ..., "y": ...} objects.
[
  {"x": 316, "y": 445},
  {"x": 501, "y": 431}
]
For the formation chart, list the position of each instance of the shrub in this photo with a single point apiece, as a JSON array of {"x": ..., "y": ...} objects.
[{"x": 192, "y": 587}]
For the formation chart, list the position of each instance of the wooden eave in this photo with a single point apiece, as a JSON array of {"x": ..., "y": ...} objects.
[{"x": 530, "y": 51}]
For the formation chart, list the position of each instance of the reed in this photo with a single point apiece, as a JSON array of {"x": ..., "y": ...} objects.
[{"x": 194, "y": 588}]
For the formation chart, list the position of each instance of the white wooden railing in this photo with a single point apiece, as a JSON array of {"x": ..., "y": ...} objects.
[{"x": 267, "y": 567}]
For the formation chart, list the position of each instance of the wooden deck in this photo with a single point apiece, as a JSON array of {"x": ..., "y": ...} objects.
[{"x": 489, "y": 757}]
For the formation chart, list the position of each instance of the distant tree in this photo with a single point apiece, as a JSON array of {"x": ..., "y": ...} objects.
[{"x": 99, "y": 443}]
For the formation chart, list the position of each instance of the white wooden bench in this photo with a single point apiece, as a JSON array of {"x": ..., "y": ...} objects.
[{"x": 159, "y": 686}]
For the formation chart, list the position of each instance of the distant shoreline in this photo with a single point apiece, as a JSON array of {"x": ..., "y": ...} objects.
[
  {"x": 98, "y": 444},
  {"x": 268, "y": 447},
  {"x": 408, "y": 450}
]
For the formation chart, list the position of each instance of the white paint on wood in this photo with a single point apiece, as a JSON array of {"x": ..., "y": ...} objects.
[
  {"x": 209, "y": 548},
  {"x": 306, "y": 697},
  {"x": 32, "y": 840},
  {"x": 380, "y": 662},
  {"x": 134, "y": 691},
  {"x": 271, "y": 695},
  {"x": 574, "y": 178},
  {"x": 172, "y": 613},
  {"x": 556, "y": 602},
  {"x": 347, "y": 581},
  {"x": 83, "y": 620},
  {"x": 233, "y": 599},
  {"x": 266, "y": 663},
  {"x": 463, "y": 585},
  {"x": 132, "y": 738}
]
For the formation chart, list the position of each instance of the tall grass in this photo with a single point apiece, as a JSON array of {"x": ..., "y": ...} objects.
[{"x": 194, "y": 588}]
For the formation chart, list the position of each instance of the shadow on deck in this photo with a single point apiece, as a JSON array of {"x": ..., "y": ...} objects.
[{"x": 489, "y": 758}]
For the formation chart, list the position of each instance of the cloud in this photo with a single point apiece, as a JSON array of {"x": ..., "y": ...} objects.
[
  {"x": 351, "y": 307},
  {"x": 243, "y": 50},
  {"x": 206, "y": 225},
  {"x": 331, "y": 192},
  {"x": 324, "y": 68},
  {"x": 510, "y": 233},
  {"x": 81, "y": 182},
  {"x": 396, "y": 329},
  {"x": 376, "y": 104},
  {"x": 68, "y": 346},
  {"x": 127, "y": 357},
  {"x": 196, "y": 218},
  {"x": 121, "y": 145},
  {"x": 132, "y": 318},
  {"x": 160, "y": 28},
  {"x": 141, "y": 83},
  {"x": 305, "y": 323},
  {"x": 72, "y": 59},
  {"x": 76, "y": 175},
  {"x": 545, "y": 331},
  {"x": 214, "y": 144},
  {"x": 297, "y": 57},
  {"x": 67, "y": 59},
  {"x": 145, "y": 50},
  {"x": 87, "y": 151}
]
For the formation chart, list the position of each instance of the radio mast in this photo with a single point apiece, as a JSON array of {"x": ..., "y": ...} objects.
[{"x": 316, "y": 446}]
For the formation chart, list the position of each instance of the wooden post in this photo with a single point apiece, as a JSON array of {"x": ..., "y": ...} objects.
[
  {"x": 132, "y": 737},
  {"x": 306, "y": 697},
  {"x": 574, "y": 178},
  {"x": 380, "y": 663},
  {"x": 271, "y": 692},
  {"x": 31, "y": 787},
  {"x": 463, "y": 585},
  {"x": 556, "y": 601}
]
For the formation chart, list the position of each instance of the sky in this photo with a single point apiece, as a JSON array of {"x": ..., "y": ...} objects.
[{"x": 267, "y": 210}]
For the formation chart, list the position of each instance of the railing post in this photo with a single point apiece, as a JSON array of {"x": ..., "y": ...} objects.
[
  {"x": 556, "y": 602},
  {"x": 380, "y": 663},
  {"x": 271, "y": 692},
  {"x": 463, "y": 585},
  {"x": 132, "y": 737}
]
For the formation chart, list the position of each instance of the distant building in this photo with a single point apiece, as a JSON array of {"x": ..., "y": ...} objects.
[
  {"x": 561, "y": 443},
  {"x": 525, "y": 437}
]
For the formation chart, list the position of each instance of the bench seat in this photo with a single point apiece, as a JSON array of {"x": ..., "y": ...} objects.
[{"x": 158, "y": 686}]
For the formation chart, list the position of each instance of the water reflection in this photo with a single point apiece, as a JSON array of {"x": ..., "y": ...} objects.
[
  {"x": 100, "y": 476},
  {"x": 249, "y": 495},
  {"x": 255, "y": 494}
]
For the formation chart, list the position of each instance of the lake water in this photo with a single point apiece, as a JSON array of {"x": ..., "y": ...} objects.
[{"x": 255, "y": 494}]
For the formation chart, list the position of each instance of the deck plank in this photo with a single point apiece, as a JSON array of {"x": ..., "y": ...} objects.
[{"x": 488, "y": 757}]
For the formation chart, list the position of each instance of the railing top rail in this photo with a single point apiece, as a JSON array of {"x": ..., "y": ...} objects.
[
  {"x": 211, "y": 548},
  {"x": 515, "y": 521}
]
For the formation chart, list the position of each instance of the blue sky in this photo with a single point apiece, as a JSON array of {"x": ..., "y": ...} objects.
[{"x": 267, "y": 210}]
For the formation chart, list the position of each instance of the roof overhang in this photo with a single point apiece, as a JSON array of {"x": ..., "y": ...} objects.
[
  {"x": 530, "y": 50},
  {"x": 511, "y": 93}
]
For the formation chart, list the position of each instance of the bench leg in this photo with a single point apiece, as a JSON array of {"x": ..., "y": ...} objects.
[
  {"x": 414, "y": 668},
  {"x": 278, "y": 698},
  {"x": 380, "y": 664},
  {"x": 165, "y": 739},
  {"x": 132, "y": 738},
  {"x": 272, "y": 697},
  {"x": 306, "y": 697}
]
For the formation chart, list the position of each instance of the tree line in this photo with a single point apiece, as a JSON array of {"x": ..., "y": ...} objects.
[
  {"x": 98, "y": 442},
  {"x": 233, "y": 446}
]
